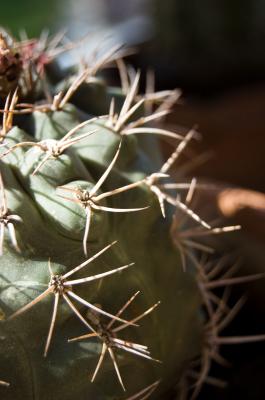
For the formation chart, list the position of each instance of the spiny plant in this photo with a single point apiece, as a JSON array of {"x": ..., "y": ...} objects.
[{"x": 88, "y": 249}]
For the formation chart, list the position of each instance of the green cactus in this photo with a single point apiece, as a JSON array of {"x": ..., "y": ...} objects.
[{"x": 85, "y": 253}]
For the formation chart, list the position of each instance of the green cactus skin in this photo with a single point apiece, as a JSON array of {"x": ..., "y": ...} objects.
[{"x": 52, "y": 228}]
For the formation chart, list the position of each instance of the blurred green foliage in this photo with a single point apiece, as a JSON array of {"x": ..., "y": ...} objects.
[{"x": 31, "y": 15}]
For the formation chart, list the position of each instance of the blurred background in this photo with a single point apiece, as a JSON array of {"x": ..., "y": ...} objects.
[{"x": 214, "y": 51}]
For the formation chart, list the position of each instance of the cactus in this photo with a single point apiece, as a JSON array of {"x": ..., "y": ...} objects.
[{"x": 86, "y": 235}]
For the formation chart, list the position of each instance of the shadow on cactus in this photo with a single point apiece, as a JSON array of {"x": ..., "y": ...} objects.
[{"x": 100, "y": 292}]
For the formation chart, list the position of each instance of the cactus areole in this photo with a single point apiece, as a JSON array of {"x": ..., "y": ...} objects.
[{"x": 95, "y": 302}]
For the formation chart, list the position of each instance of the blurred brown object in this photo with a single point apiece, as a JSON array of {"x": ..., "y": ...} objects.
[
  {"x": 239, "y": 206},
  {"x": 233, "y": 128},
  {"x": 232, "y": 201},
  {"x": 245, "y": 207}
]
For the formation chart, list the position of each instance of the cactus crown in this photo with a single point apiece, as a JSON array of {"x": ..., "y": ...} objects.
[{"x": 84, "y": 197}]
